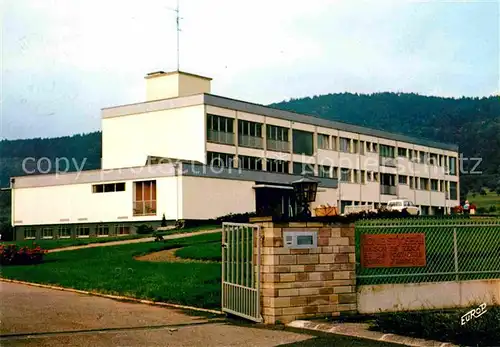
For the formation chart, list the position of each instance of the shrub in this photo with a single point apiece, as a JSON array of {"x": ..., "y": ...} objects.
[
  {"x": 144, "y": 229},
  {"x": 493, "y": 208},
  {"x": 443, "y": 326},
  {"x": 15, "y": 255}
]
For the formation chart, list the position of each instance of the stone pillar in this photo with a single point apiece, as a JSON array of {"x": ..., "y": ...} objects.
[{"x": 305, "y": 283}]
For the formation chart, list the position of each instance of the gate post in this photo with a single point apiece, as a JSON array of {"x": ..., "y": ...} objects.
[{"x": 306, "y": 283}]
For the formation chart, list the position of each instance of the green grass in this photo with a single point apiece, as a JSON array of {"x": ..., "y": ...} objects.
[
  {"x": 490, "y": 199},
  {"x": 60, "y": 243},
  {"x": 444, "y": 326},
  {"x": 189, "y": 230},
  {"x": 210, "y": 251},
  {"x": 113, "y": 270}
]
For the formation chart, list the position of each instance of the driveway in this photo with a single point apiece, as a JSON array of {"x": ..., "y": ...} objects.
[{"x": 32, "y": 316}]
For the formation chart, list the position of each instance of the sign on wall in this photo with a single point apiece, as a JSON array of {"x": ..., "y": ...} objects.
[{"x": 393, "y": 250}]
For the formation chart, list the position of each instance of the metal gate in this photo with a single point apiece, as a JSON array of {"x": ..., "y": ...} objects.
[{"x": 241, "y": 270}]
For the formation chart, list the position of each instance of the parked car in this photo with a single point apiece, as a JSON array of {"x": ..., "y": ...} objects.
[{"x": 403, "y": 204}]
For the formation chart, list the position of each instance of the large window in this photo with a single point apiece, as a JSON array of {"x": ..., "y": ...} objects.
[
  {"x": 434, "y": 185},
  {"x": 453, "y": 166},
  {"x": 64, "y": 232},
  {"x": 345, "y": 175},
  {"x": 303, "y": 142},
  {"x": 220, "y": 129},
  {"x": 402, "y": 152},
  {"x": 274, "y": 165},
  {"x": 345, "y": 145},
  {"x": 102, "y": 231},
  {"x": 82, "y": 231},
  {"x": 108, "y": 187},
  {"x": 249, "y": 163},
  {"x": 216, "y": 159},
  {"x": 122, "y": 230},
  {"x": 323, "y": 141},
  {"x": 387, "y": 151},
  {"x": 303, "y": 169},
  {"x": 47, "y": 233},
  {"x": 145, "y": 198},
  {"x": 424, "y": 183},
  {"x": 453, "y": 191},
  {"x": 277, "y": 138},
  {"x": 250, "y": 134},
  {"x": 29, "y": 234},
  {"x": 323, "y": 171}
]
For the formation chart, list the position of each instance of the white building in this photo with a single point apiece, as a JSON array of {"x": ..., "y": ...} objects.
[{"x": 262, "y": 150}]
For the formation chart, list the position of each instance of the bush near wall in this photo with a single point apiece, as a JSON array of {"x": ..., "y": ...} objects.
[
  {"x": 15, "y": 255},
  {"x": 444, "y": 326}
]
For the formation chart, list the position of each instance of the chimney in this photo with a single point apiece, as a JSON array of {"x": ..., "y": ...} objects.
[{"x": 165, "y": 85}]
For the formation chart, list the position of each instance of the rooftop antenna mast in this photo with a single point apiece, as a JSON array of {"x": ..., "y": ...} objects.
[
  {"x": 178, "y": 24},
  {"x": 177, "y": 19}
]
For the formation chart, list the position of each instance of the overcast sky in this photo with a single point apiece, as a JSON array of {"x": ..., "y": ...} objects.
[{"x": 64, "y": 60}]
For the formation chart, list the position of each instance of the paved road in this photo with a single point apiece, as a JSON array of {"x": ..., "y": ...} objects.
[
  {"x": 32, "y": 316},
  {"x": 145, "y": 239}
]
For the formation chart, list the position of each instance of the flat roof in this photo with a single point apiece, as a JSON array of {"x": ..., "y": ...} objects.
[
  {"x": 192, "y": 169},
  {"x": 163, "y": 73},
  {"x": 244, "y": 106}
]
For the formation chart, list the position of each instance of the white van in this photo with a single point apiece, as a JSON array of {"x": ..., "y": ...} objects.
[{"x": 403, "y": 204}]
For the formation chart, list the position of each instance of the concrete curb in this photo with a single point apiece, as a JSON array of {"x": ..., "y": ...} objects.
[
  {"x": 115, "y": 297},
  {"x": 361, "y": 330}
]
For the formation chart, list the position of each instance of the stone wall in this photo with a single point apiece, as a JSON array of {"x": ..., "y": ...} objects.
[{"x": 304, "y": 283}]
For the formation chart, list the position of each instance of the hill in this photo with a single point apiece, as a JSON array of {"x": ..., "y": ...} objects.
[{"x": 472, "y": 123}]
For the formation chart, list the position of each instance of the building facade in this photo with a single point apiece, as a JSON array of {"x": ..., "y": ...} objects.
[{"x": 231, "y": 157}]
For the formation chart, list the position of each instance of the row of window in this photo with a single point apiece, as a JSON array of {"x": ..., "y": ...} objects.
[
  {"x": 108, "y": 187},
  {"x": 220, "y": 129},
  {"x": 64, "y": 232},
  {"x": 273, "y": 165}
]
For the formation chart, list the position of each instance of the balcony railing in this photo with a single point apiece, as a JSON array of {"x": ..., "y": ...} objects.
[
  {"x": 280, "y": 146},
  {"x": 220, "y": 137},
  {"x": 388, "y": 190},
  {"x": 250, "y": 141},
  {"x": 387, "y": 161}
]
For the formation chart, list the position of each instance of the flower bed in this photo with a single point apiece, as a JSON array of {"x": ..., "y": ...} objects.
[{"x": 15, "y": 255}]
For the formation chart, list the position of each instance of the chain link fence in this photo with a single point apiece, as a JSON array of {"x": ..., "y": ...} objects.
[{"x": 455, "y": 249}]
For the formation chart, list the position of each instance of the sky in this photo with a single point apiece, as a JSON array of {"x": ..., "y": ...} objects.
[{"x": 62, "y": 61}]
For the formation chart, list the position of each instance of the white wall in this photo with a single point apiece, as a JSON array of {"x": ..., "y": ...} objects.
[
  {"x": 75, "y": 203},
  {"x": 177, "y": 133},
  {"x": 205, "y": 198},
  {"x": 427, "y": 295}
]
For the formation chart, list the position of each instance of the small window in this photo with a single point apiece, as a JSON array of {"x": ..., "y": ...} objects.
[
  {"x": 122, "y": 230},
  {"x": 120, "y": 187},
  {"x": 323, "y": 141},
  {"x": 82, "y": 231},
  {"x": 47, "y": 233},
  {"x": 29, "y": 234},
  {"x": 98, "y": 188},
  {"x": 403, "y": 179},
  {"x": 102, "y": 231},
  {"x": 109, "y": 188},
  {"x": 402, "y": 152},
  {"x": 64, "y": 232}
]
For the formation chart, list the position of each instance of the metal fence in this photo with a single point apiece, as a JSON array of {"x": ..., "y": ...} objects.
[
  {"x": 455, "y": 249},
  {"x": 241, "y": 270}
]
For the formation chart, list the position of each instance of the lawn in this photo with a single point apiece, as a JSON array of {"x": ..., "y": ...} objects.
[
  {"x": 211, "y": 251},
  {"x": 61, "y": 243},
  {"x": 485, "y": 201},
  {"x": 113, "y": 270}
]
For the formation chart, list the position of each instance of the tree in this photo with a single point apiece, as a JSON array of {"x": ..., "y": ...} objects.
[
  {"x": 482, "y": 192},
  {"x": 498, "y": 191}
]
